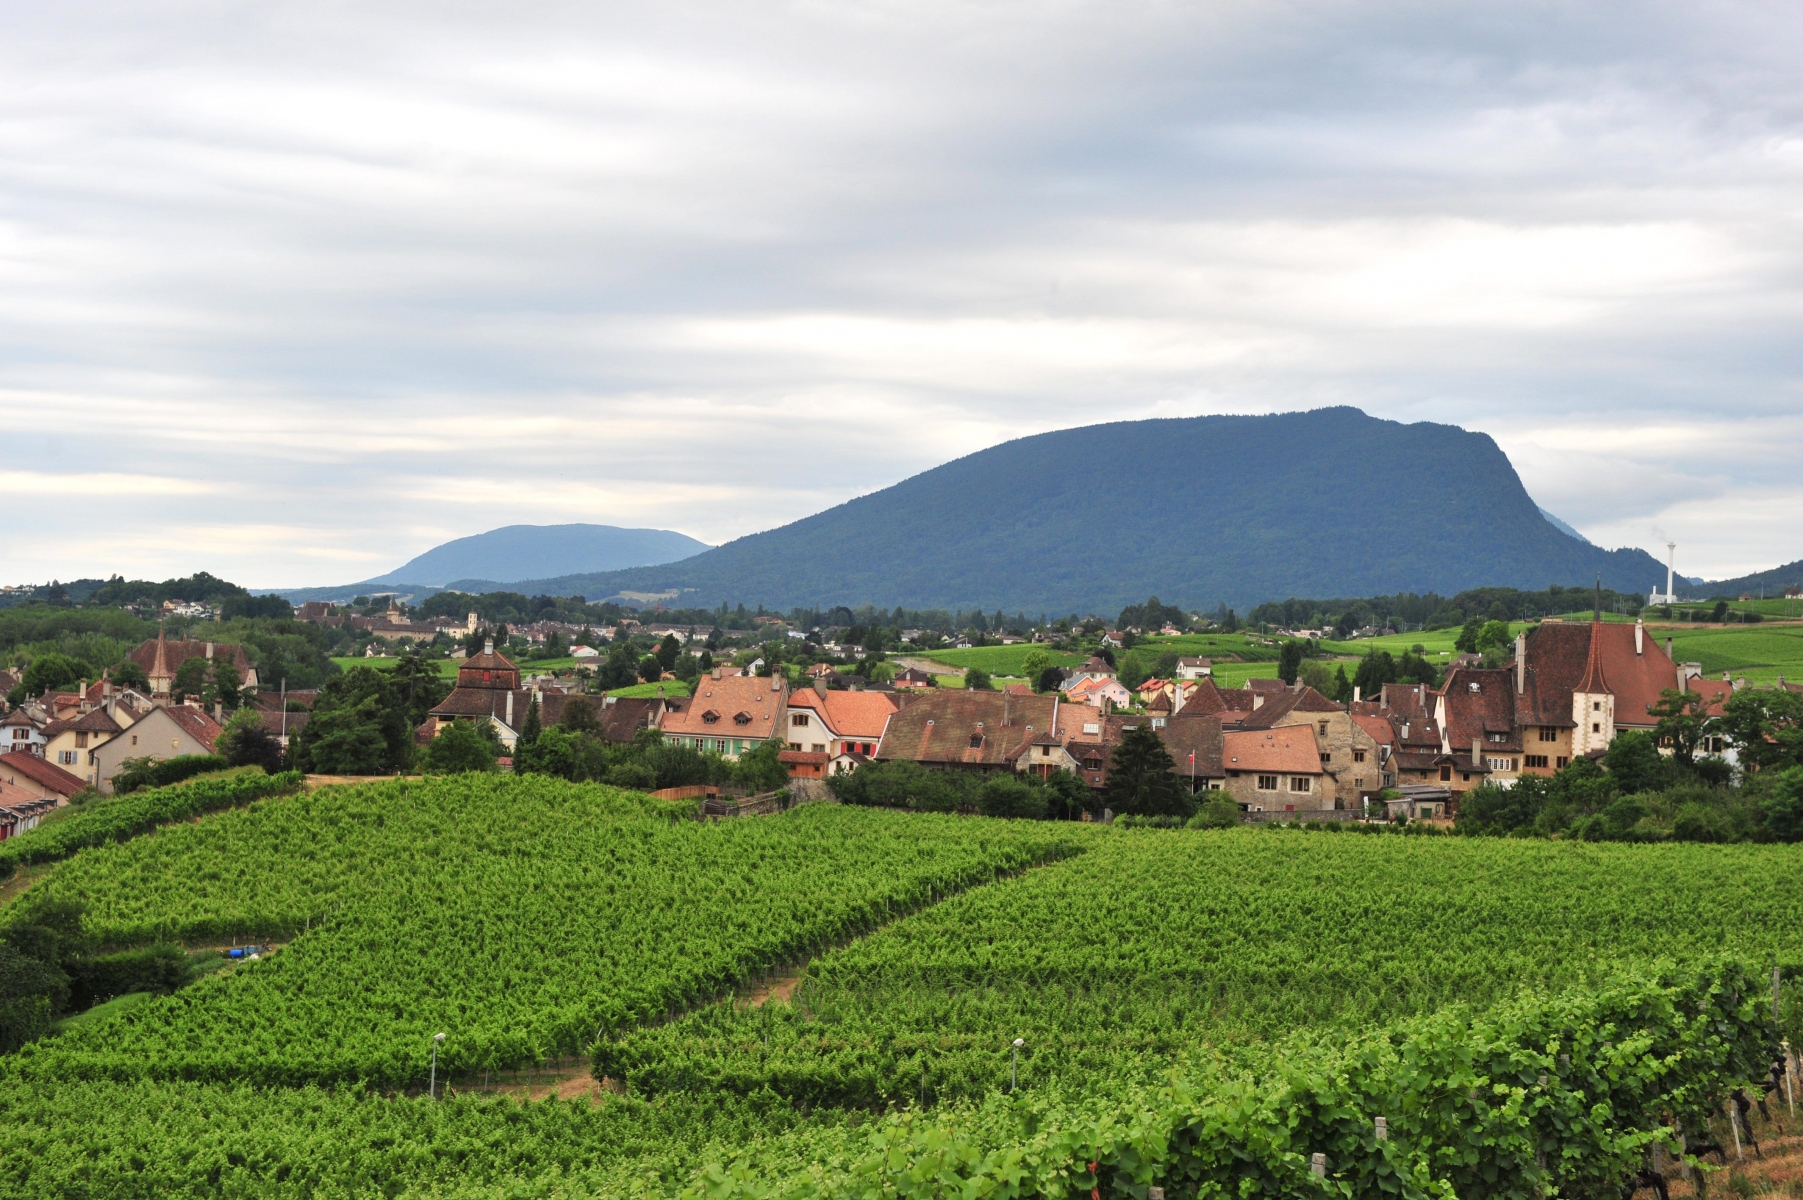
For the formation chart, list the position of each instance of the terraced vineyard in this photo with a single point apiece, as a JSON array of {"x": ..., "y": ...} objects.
[{"x": 1202, "y": 1010}]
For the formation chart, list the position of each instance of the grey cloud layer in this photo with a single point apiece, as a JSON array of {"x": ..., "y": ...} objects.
[{"x": 292, "y": 294}]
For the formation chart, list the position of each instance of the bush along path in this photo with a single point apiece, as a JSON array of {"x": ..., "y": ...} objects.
[{"x": 1561, "y": 1096}]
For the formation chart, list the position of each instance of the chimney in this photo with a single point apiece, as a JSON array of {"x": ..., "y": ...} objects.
[
  {"x": 209, "y": 651},
  {"x": 1477, "y": 751},
  {"x": 1405, "y": 731},
  {"x": 488, "y": 646},
  {"x": 1355, "y": 693},
  {"x": 1521, "y": 662},
  {"x": 218, "y": 712},
  {"x": 1668, "y": 647},
  {"x": 1639, "y": 637},
  {"x": 1176, "y": 697},
  {"x": 510, "y": 724},
  {"x": 1054, "y": 714}
]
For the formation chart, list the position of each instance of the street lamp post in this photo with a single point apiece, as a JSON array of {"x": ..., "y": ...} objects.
[
  {"x": 1014, "y": 1063},
  {"x": 432, "y": 1087}
]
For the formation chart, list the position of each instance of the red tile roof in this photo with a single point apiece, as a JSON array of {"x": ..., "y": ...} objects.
[
  {"x": 851, "y": 714},
  {"x": 738, "y": 706},
  {"x": 1480, "y": 704},
  {"x": 1563, "y": 658},
  {"x": 941, "y": 726},
  {"x": 47, "y": 775},
  {"x": 196, "y": 724},
  {"x": 1286, "y": 750}
]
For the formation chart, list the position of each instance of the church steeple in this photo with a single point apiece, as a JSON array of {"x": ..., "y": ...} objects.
[{"x": 160, "y": 675}]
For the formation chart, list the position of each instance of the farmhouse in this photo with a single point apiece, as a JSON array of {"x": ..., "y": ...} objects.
[{"x": 728, "y": 714}]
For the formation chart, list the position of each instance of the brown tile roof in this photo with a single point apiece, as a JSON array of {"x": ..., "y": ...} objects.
[
  {"x": 1287, "y": 750},
  {"x": 479, "y": 702},
  {"x": 1379, "y": 728},
  {"x": 47, "y": 775},
  {"x": 622, "y": 719},
  {"x": 1562, "y": 657},
  {"x": 1479, "y": 704},
  {"x": 814, "y": 758},
  {"x": 1304, "y": 699},
  {"x": 739, "y": 706},
  {"x": 1194, "y": 733},
  {"x": 1266, "y": 685},
  {"x": 196, "y": 724},
  {"x": 1237, "y": 700},
  {"x": 180, "y": 651},
  {"x": 1717, "y": 692},
  {"x": 941, "y": 726},
  {"x": 1204, "y": 698},
  {"x": 1406, "y": 699}
]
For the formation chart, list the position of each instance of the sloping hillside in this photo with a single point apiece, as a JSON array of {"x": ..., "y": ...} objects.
[
  {"x": 534, "y": 551},
  {"x": 1195, "y": 510}
]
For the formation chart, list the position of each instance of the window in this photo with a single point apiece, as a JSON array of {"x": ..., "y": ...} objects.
[
  {"x": 1446, "y": 774},
  {"x": 976, "y": 741},
  {"x": 1323, "y": 728},
  {"x": 1595, "y": 727},
  {"x": 794, "y": 745},
  {"x": 66, "y": 757},
  {"x": 1301, "y": 783},
  {"x": 1326, "y": 758},
  {"x": 1536, "y": 761},
  {"x": 1500, "y": 764},
  {"x": 81, "y": 741},
  {"x": 1499, "y": 737},
  {"x": 1358, "y": 756},
  {"x": 1267, "y": 783},
  {"x": 819, "y": 748},
  {"x": 134, "y": 739},
  {"x": 798, "y": 719},
  {"x": 1596, "y": 706},
  {"x": 1562, "y": 762},
  {"x": 1549, "y": 733}
]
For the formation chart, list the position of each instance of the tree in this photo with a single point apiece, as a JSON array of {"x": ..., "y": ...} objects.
[
  {"x": 1217, "y": 812},
  {"x": 1493, "y": 636},
  {"x": 1781, "y": 811},
  {"x": 1011, "y": 795},
  {"x": 1633, "y": 761},
  {"x": 48, "y": 672},
  {"x": 621, "y": 667},
  {"x": 226, "y": 688},
  {"x": 667, "y": 651},
  {"x": 1034, "y": 664},
  {"x": 1342, "y": 686},
  {"x": 651, "y": 669},
  {"x": 1142, "y": 779},
  {"x": 1289, "y": 661},
  {"x": 422, "y": 688},
  {"x": 580, "y": 715},
  {"x": 1374, "y": 670},
  {"x": 759, "y": 769},
  {"x": 1466, "y": 642},
  {"x": 1682, "y": 716},
  {"x": 463, "y": 746},
  {"x": 1049, "y": 679},
  {"x": 190, "y": 680},
  {"x": 247, "y": 741},
  {"x": 532, "y": 728},
  {"x": 1315, "y": 674},
  {"x": 977, "y": 680},
  {"x": 1765, "y": 726},
  {"x": 359, "y": 726},
  {"x": 128, "y": 674}
]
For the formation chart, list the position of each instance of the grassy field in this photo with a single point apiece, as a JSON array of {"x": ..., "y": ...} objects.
[
  {"x": 997, "y": 660},
  {"x": 1759, "y": 652},
  {"x": 447, "y": 667},
  {"x": 672, "y": 687}
]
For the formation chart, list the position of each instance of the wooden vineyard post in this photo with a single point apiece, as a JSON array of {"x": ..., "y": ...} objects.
[
  {"x": 1790, "y": 1072},
  {"x": 1734, "y": 1120},
  {"x": 1318, "y": 1164}
]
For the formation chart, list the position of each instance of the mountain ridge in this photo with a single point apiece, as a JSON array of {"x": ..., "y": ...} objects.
[{"x": 1197, "y": 510}]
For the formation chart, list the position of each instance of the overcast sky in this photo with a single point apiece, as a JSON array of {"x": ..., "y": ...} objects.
[{"x": 293, "y": 292}]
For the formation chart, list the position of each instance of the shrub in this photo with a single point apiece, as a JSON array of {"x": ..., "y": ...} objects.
[{"x": 139, "y": 773}]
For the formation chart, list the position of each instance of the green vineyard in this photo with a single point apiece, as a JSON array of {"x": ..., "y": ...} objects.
[{"x": 826, "y": 1003}]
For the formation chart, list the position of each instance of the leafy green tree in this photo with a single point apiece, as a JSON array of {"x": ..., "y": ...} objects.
[
  {"x": 1034, "y": 663},
  {"x": 1142, "y": 779},
  {"x": 127, "y": 674},
  {"x": 1634, "y": 762},
  {"x": 555, "y": 751},
  {"x": 359, "y": 726},
  {"x": 1781, "y": 810},
  {"x": 667, "y": 651},
  {"x": 1494, "y": 636},
  {"x": 49, "y": 672},
  {"x": 579, "y": 715},
  {"x": 1342, "y": 686},
  {"x": 1682, "y": 716},
  {"x": 1011, "y": 795},
  {"x": 651, "y": 668},
  {"x": 532, "y": 727},
  {"x": 977, "y": 680},
  {"x": 1217, "y": 812},
  {"x": 1315, "y": 674},
  {"x": 759, "y": 769},
  {"x": 1466, "y": 642},
  {"x": 247, "y": 741},
  {"x": 1765, "y": 726},
  {"x": 622, "y": 667},
  {"x": 422, "y": 688},
  {"x": 1049, "y": 679},
  {"x": 463, "y": 746},
  {"x": 225, "y": 688},
  {"x": 1289, "y": 661},
  {"x": 190, "y": 680},
  {"x": 1377, "y": 668},
  {"x": 1414, "y": 668}
]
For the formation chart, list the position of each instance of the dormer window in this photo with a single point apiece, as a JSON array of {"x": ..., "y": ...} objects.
[
  {"x": 1476, "y": 687},
  {"x": 710, "y": 716},
  {"x": 742, "y": 718},
  {"x": 976, "y": 741}
]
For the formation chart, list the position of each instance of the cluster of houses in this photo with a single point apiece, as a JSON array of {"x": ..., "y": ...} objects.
[{"x": 1277, "y": 750}]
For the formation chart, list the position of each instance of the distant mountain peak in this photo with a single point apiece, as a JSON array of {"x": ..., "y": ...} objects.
[
  {"x": 1562, "y": 527},
  {"x": 515, "y": 552}
]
